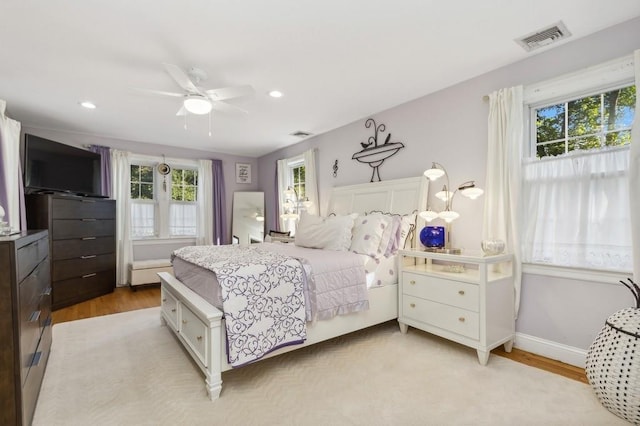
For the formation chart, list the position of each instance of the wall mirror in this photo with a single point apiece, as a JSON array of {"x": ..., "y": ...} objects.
[{"x": 248, "y": 218}]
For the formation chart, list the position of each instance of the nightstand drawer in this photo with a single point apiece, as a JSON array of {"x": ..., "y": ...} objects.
[
  {"x": 449, "y": 318},
  {"x": 454, "y": 293}
]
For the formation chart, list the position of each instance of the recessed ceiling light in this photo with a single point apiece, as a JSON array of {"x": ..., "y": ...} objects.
[
  {"x": 88, "y": 105},
  {"x": 275, "y": 94}
]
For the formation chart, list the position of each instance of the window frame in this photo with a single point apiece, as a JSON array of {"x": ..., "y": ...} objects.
[
  {"x": 162, "y": 199},
  {"x": 607, "y": 76}
]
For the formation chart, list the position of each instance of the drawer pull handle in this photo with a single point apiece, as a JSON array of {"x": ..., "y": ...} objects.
[
  {"x": 88, "y": 220},
  {"x": 413, "y": 305},
  {"x": 88, "y": 256},
  {"x": 88, "y": 238},
  {"x": 461, "y": 292},
  {"x": 199, "y": 338},
  {"x": 461, "y": 319},
  {"x": 35, "y": 315},
  {"x": 164, "y": 300},
  {"x": 36, "y": 359},
  {"x": 412, "y": 282},
  {"x": 46, "y": 292},
  {"x": 173, "y": 310},
  {"x": 89, "y": 275},
  {"x": 184, "y": 321}
]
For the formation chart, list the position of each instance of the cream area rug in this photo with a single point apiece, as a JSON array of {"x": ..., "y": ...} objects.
[{"x": 127, "y": 369}]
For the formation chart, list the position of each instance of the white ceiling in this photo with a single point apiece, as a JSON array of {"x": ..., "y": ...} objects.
[{"x": 336, "y": 61}]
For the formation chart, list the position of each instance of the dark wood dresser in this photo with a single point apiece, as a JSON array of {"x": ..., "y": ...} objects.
[
  {"x": 25, "y": 323},
  {"x": 83, "y": 244}
]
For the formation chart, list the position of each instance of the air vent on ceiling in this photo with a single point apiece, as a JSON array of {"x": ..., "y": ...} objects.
[
  {"x": 301, "y": 134},
  {"x": 544, "y": 37}
]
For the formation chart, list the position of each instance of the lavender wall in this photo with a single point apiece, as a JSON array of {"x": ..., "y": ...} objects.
[
  {"x": 228, "y": 162},
  {"x": 450, "y": 127}
]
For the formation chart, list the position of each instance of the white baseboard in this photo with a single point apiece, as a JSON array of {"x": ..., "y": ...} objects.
[{"x": 552, "y": 350}]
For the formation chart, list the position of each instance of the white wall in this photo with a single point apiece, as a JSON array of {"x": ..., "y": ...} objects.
[
  {"x": 450, "y": 127},
  {"x": 151, "y": 251}
]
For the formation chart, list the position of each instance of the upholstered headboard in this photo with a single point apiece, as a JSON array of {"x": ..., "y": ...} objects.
[{"x": 399, "y": 196}]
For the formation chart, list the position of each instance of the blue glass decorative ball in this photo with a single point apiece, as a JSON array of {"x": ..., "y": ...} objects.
[{"x": 432, "y": 236}]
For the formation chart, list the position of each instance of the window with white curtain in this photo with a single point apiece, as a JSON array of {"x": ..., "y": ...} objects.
[
  {"x": 163, "y": 206},
  {"x": 575, "y": 179}
]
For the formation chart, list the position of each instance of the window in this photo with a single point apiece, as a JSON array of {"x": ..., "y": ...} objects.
[
  {"x": 297, "y": 179},
  {"x": 163, "y": 206},
  {"x": 183, "y": 205},
  {"x": 142, "y": 202},
  {"x": 587, "y": 123},
  {"x": 575, "y": 181}
]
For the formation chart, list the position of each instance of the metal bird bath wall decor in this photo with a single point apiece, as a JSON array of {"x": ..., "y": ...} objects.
[{"x": 373, "y": 153}]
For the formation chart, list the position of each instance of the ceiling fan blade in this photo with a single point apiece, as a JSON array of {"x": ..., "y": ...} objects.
[
  {"x": 159, "y": 92},
  {"x": 230, "y": 92},
  {"x": 181, "y": 78},
  {"x": 182, "y": 111},
  {"x": 225, "y": 107}
]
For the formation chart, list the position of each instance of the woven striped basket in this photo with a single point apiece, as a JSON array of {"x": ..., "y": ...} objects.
[{"x": 613, "y": 364}]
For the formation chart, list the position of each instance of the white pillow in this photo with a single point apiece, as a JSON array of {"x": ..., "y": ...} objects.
[
  {"x": 389, "y": 235},
  {"x": 329, "y": 233},
  {"x": 406, "y": 224},
  {"x": 367, "y": 234}
]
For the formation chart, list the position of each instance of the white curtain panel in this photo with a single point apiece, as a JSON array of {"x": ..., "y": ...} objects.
[
  {"x": 282, "y": 170},
  {"x": 120, "y": 190},
  {"x": 11, "y": 179},
  {"x": 634, "y": 176},
  {"x": 311, "y": 180},
  {"x": 504, "y": 156},
  {"x": 596, "y": 233},
  {"x": 205, "y": 203}
]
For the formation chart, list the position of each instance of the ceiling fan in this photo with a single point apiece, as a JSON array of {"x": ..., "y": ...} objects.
[{"x": 195, "y": 99}]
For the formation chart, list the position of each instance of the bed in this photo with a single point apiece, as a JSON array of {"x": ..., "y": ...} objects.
[{"x": 200, "y": 327}]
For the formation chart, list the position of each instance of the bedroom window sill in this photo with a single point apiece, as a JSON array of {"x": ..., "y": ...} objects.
[
  {"x": 159, "y": 241},
  {"x": 592, "y": 275}
]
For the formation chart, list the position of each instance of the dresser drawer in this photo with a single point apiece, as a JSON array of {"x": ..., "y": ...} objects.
[
  {"x": 169, "y": 306},
  {"x": 194, "y": 332},
  {"x": 30, "y": 256},
  {"x": 454, "y": 293},
  {"x": 82, "y": 266},
  {"x": 79, "y": 228},
  {"x": 34, "y": 373},
  {"x": 68, "y": 249},
  {"x": 75, "y": 289},
  {"x": 450, "y": 318},
  {"x": 82, "y": 208},
  {"x": 31, "y": 292}
]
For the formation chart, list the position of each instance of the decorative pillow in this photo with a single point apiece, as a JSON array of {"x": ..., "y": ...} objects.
[
  {"x": 367, "y": 234},
  {"x": 329, "y": 233},
  {"x": 273, "y": 233},
  {"x": 408, "y": 222},
  {"x": 389, "y": 234},
  {"x": 394, "y": 240}
]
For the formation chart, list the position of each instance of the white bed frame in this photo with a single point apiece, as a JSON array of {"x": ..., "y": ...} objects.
[{"x": 199, "y": 326}]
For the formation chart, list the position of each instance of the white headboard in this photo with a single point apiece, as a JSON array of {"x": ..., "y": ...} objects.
[{"x": 400, "y": 196}]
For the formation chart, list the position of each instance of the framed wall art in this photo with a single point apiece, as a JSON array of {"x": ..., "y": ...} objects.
[{"x": 243, "y": 173}]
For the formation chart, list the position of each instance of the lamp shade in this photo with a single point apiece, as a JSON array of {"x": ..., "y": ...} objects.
[
  {"x": 444, "y": 195},
  {"x": 448, "y": 215},
  {"x": 428, "y": 215},
  {"x": 197, "y": 104},
  {"x": 2, "y": 213},
  {"x": 434, "y": 173},
  {"x": 472, "y": 192}
]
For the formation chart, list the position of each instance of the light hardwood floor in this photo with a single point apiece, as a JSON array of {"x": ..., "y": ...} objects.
[{"x": 124, "y": 299}]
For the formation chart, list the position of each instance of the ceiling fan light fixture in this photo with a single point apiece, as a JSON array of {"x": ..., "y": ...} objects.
[{"x": 197, "y": 104}]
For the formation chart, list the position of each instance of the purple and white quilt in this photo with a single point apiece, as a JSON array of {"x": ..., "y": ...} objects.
[{"x": 262, "y": 297}]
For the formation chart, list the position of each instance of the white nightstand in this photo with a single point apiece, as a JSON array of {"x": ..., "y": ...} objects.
[{"x": 467, "y": 298}]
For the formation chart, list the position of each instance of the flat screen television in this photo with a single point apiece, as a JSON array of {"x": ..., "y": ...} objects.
[{"x": 55, "y": 167}]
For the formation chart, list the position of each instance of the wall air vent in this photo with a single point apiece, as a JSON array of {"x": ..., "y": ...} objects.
[
  {"x": 544, "y": 37},
  {"x": 300, "y": 134}
]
